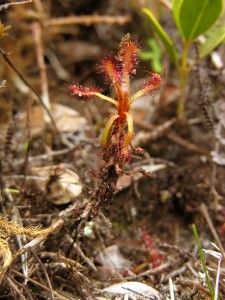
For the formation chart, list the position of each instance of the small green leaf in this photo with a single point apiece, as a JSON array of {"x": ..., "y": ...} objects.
[
  {"x": 145, "y": 55},
  {"x": 215, "y": 37},
  {"x": 167, "y": 42},
  {"x": 202, "y": 258},
  {"x": 196, "y": 17},
  {"x": 154, "y": 55}
]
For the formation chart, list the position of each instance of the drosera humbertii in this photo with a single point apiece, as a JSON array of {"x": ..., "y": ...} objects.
[{"x": 119, "y": 130}]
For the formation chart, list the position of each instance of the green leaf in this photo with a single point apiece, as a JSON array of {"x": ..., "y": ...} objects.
[
  {"x": 195, "y": 17},
  {"x": 167, "y": 42},
  {"x": 176, "y": 4},
  {"x": 215, "y": 37}
]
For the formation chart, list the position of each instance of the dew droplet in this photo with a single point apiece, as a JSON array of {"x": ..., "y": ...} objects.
[
  {"x": 133, "y": 72},
  {"x": 80, "y": 94}
]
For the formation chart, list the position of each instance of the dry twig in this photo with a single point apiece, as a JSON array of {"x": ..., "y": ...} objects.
[
  {"x": 6, "y": 5},
  {"x": 5, "y": 56},
  {"x": 37, "y": 33},
  {"x": 81, "y": 253},
  {"x": 190, "y": 146},
  {"x": 204, "y": 211},
  {"x": 191, "y": 283},
  {"x": 46, "y": 275},
  {"x": 87, "y": 20},
  {"x": 57, "y": 294}
]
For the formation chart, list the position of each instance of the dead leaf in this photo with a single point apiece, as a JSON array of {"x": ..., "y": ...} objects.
[
  {"x": 81, "y": 50},
  {"x": 133, "y": 288},
  {"x": 66, "y": 119},
  {"x": 112, "y": 258},
  {"x": 64, "y": 190}
]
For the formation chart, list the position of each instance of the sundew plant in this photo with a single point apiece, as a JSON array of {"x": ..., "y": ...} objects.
[{"x": 119, "y": 130}]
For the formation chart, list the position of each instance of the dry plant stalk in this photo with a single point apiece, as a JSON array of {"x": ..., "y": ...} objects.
[
  {"x": 87, "y": 20},
  {"x": 37, "y": 34},
  {"x": 7, "y": 5}
]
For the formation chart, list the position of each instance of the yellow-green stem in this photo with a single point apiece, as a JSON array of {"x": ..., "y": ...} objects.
[{"x": 103, "y": 97}]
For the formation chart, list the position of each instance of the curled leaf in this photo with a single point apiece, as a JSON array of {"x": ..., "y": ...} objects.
[{"x": 106, "y": 131}]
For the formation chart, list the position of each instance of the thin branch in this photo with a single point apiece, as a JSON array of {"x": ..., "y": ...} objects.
[
  {"x": 59, "y": 295},
  {"x": 37, "y": 33},
  {"x": 15, "y": 288},
  {"x": 159, "y": 130},
  {"x": 6, "y": 5},
  {"x": 172, "y": 296},
  {"x": 88, "y": 20},
  {"x": 205, "y": 213},
  {"x": 192, "y": 283},
  {"x": 21, "y": 285},
  {"x": 20, "y": 239},
  {"x": 46, "y": 275},
  {"x": 1, "y": 189},
  {"x": 81, "y": 253},
  {"x": 190, "y": 146},
  {"x": 156, "y": 270},
  {"x": 5, "y": 56},
  {"x": 26, "y": 161}
]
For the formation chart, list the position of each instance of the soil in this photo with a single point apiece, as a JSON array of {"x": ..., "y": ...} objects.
[{"x": 145, "y": 235}]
